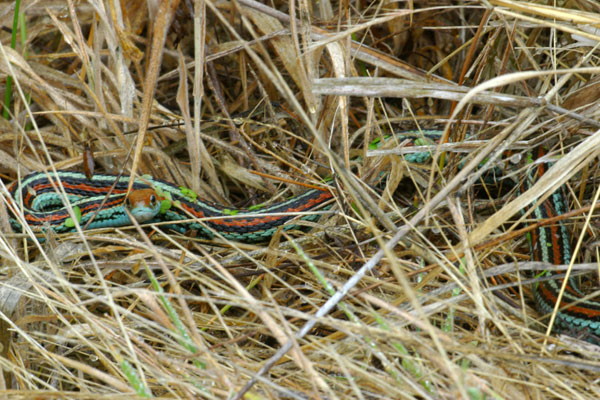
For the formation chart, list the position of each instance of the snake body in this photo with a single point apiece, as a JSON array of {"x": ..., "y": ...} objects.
[
  {"x": 151, "y": 200},
  {"x": 155, "y": 200},
  {"x": 551, "y": 244}
]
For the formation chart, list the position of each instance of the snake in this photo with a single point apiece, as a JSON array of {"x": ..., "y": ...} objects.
[
  {"x": 577, "y": 315},
  {"x": 103, "y": 201},
  {"x": 151, "y": 200}
]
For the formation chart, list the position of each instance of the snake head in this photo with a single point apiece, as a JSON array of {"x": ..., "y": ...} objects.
[{"x": 143, "y": 204}]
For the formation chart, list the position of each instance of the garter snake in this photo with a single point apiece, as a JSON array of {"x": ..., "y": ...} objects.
[
  {"x": 150, "y": 200},
  {"x": 156, "y": 200},
  {"x": 551, "y": 244}
]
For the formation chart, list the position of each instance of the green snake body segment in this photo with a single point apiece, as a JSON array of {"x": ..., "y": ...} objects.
[{"x": 43, "y": 209}]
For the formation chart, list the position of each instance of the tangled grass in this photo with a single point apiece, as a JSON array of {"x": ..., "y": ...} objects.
[{"x": 419, "y": 287}]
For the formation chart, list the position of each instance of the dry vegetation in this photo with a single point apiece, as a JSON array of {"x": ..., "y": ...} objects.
[{"x": 121, "y": 311}]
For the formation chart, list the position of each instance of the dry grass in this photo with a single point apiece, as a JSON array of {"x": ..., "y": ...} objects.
[{"x": 120, "y": 311}]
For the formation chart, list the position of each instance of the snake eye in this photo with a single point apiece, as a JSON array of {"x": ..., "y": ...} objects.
[{"x": 153, "y": 199}]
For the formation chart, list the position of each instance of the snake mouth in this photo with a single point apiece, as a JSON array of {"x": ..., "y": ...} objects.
[{"x": 142, "y": 214}]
